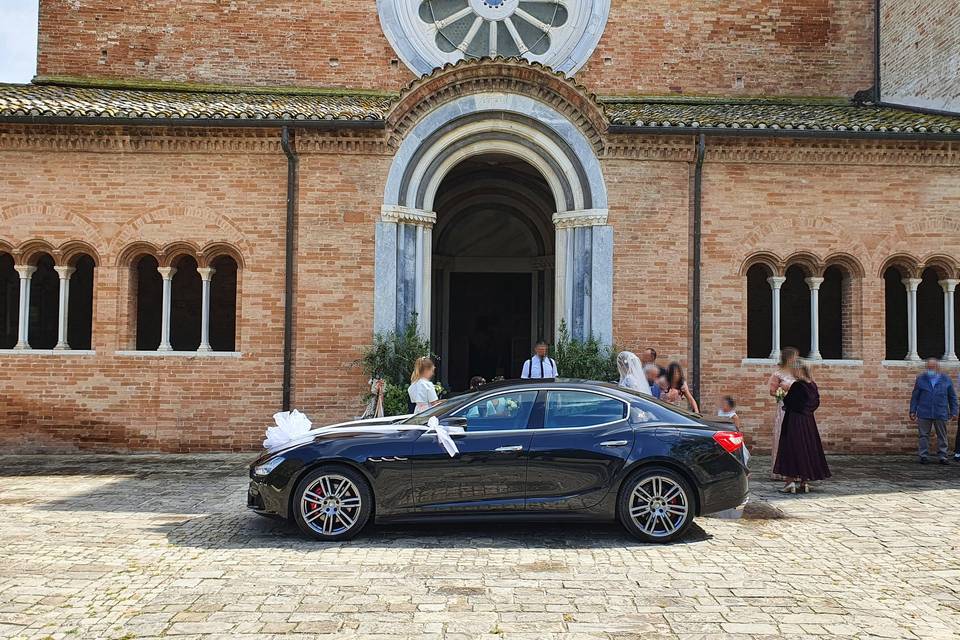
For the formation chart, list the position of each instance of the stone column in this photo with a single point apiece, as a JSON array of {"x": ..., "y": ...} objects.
[
  {"x": 584, "y": 273},
  {"x": 775, "y": 283},
  {"x": 167, "y": 274},
  {"x": 408, "y": 271},
  {"x": 23, "y": 319},
  {"x": 64, "y": 273},
  {"x": 206, "y": 275},
  {"x": 814, "y": 284},
  {"x": 949, "y": 320},
  {"x": 912, "y": 284}
]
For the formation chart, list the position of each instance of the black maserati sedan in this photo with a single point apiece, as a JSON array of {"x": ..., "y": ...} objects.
[{"x": 549, "y": 450}]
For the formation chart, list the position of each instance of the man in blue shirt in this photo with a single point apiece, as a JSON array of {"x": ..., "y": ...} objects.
[{"x": 932, "y": 404}]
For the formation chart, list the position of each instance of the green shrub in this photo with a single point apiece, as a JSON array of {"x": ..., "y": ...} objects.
[
  {"x": 396, "y": 401},
  {"x": 391, "y": 357},
  {"x": 585, "y": 359}
]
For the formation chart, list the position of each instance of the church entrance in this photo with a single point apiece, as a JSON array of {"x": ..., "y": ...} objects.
[{"x": 493, "y": 261}]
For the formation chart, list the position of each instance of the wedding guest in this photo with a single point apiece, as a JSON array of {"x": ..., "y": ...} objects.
[
  {"x": 649, "y": 356},
  {"x": 779, "y": 383},
  {"x": 421, "y": 390},
  {"x": 631, "y": 372},
  {"x": 476, "y": 382},
  {"x": 677, "y": 383},
  {"x": 800, "y": 457},
  {"x": 539, "y": 365},
  {"x": 728, "y": 409},
  {"x": 933, "y": 404},
  {"x": 652, "y": 373}
]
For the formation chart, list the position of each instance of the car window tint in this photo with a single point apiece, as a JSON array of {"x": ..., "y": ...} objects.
[
  {"x": 581, "y": 409},
  {"x": 644, "y": 411},
  {"x": 503, "y": 411}
]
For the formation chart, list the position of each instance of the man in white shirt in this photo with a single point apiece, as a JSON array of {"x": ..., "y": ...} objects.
[{"x": 540, "y": 366}]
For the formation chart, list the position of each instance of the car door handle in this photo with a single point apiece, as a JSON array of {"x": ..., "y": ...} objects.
[
  {"x": 509, "y": 449},
  {"x": 614, "y": 443}
]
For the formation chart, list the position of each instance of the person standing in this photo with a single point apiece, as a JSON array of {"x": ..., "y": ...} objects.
[
  {"x": 631, "y": 372},
  {"x": 800, "y": 457},
  {"x": 539, "y": 365},
  {"x": 652, "y": 372},
  {"x": 779, "y": 383},
  {"x": 649, "y": 356},
  {"x": 932, "y": 404},
  {"x": 422, "y": 393},
  {"x": 677, "y": 388}
]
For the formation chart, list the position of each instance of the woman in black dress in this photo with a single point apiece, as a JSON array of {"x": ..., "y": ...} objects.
[{"x": 800, "y": 456}]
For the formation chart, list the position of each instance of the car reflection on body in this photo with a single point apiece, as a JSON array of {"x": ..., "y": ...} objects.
[{"x": 550, "y": 450}]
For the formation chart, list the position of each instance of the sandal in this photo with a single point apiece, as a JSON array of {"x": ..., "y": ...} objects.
[{"x": 789, "y": 488}]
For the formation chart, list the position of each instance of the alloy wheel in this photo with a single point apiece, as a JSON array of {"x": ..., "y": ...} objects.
[
  {"x": 331, "y": 504},
  {"x": 658, "y": 506}
]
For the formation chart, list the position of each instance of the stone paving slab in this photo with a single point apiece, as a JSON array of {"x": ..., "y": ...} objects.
[{"x": 150, "y": 546}]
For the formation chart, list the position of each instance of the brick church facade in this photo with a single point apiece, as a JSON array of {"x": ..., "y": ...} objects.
[{"x": 209, "y": 208}]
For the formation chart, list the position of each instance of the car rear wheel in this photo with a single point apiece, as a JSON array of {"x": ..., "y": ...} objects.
[
  {"x": 656, "y": 505},
  {"x": 332, "y": 503}
]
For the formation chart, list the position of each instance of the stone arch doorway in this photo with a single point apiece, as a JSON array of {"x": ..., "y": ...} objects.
[{"x": 493, "y": 267}]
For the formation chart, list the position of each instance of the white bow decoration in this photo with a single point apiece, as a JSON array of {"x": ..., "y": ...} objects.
[
  {"x": 290, "y": 426},
  {"x": 443, "y": 436}
]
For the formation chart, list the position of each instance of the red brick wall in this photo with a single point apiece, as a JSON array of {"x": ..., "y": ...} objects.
[
  {"x": 919, "y": 49},
  {"x": 774, "y": 47}
]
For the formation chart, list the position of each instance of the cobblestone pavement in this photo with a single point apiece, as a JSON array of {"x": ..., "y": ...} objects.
[{"x": 160, "y": 546}]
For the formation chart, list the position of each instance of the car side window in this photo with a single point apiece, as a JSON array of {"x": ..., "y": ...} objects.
[
  {"x": 646, "y": 412},
  {"x": 501, "y": 412},
  {"x": 567, "y": 409}
]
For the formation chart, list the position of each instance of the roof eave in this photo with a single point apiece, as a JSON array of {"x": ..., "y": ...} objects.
[
  {"x": 757, "y": 132},
  {"x": 251, "y": 123}
]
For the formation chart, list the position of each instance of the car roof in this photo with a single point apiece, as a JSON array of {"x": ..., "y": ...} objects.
[{"x": 547, "y": 382}]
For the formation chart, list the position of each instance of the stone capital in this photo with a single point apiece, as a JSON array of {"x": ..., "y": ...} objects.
[
  {"x": 167, "y": 272},
  {"x": 912, "y": 283},
  {"x": 26, "y": 271},
  {"x": 776, "y": 282},
  {"x": 580, "y": 218},
  {"x": 949, "y": 285},
  {"x": 64, "y": 272},
  {"x": 206, "y": 273},
  {"x": 407, "y": 215},
  {"x": 813, "y": 282}
]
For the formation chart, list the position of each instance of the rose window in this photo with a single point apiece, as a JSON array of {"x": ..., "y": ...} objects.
[{"x": 430, "y": 33}]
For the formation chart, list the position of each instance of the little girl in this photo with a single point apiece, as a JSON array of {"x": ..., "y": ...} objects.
[
  {"x": 728, "y": 409},
  {"x": 421, "y": 391}
]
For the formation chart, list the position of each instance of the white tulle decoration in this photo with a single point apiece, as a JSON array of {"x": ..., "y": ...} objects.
[
  {"x": 443, "y": 436},
  {"x": 290, "y": 426}
]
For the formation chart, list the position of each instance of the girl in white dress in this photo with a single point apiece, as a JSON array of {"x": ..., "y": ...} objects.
[
  {"x": 631, "y": 372},
  {"x": 421, "y": 390}
]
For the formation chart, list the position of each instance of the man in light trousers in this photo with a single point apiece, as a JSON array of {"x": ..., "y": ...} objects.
[{"x": 932, "y": 405}]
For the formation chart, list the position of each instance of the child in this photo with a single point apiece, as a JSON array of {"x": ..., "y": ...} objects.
[
  {"x": 421, "y": 391},
  {"x": 728, "y": 409}
]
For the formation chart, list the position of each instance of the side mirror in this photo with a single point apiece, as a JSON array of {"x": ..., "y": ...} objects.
[{"x": 454, "y": 422}]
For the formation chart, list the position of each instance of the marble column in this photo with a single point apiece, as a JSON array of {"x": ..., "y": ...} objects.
[
  {"x": 23, "y": 319},
  {"x": 912, "y": 284},
  {"x": 206, "y": 276},
  {"x": 775, "y": 283},
  {"x": 167, "y": 274},
  {"x": 408, "y": 271},
  {"x": 584, "y": 274},
  {"x": 814, "y": 284},
  {"x": 949, "y": 320},
  {"x": 64, "y": 273}
]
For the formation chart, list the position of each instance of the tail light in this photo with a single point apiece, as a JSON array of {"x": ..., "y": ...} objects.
[{"x": 729, "y": 440}]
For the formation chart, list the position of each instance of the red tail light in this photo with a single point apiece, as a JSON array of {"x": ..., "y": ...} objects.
[{"x": 729, "y": 440}]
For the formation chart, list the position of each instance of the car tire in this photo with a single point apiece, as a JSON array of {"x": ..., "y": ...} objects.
[
  {"x": 332, "y": 503},
  {"x": 656, "y": 504}
]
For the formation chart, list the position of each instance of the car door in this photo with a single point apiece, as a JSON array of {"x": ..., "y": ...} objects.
[
  {"x": 582, "y": 444},
  {"x": 489, "y": 472}
]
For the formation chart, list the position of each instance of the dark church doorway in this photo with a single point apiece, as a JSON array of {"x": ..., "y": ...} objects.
[{"x": 493, "y": 261}]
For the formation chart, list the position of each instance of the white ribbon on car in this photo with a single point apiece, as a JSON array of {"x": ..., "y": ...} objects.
[{"x": 443, "y": 436}]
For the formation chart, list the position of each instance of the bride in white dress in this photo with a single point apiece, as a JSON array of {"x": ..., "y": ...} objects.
[{"x": 631, "y": 372}]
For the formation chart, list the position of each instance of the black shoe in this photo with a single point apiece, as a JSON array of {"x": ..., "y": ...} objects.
[
  {"x": 944, "y": 461},
  {"x": 923, "y": 460}
]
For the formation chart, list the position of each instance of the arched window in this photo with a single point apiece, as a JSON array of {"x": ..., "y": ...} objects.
[
  {"x": 759, "y": 312},
  {"x": 185, "y": 305},
  {"x": 44, "y": 304},
  {"x": 80, "y": 303},
  {"x": 9, "y": 302},
  {"x": 795, "y": 311},
  {"x": 835, "y": 313},
  {"x": 930, "y": 320},
  {"x": 149, "y": 296},
  {"x": 223, "y": 304},
  {"x": 895, "y": 303}
]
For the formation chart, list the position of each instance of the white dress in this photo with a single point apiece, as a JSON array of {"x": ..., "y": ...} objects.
[
  {"x": 422, "y": 394},
  {"x": 636, "y": 383}
]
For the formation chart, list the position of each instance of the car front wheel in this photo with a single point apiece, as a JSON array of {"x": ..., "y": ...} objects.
[
  {"x": 332, "y": 503},
  {"x": 656, "y": 505}
]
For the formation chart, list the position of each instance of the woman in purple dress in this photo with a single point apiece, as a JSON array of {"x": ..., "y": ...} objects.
[{"x": 800, "y": 456}]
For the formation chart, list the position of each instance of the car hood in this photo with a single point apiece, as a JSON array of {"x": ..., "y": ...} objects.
[{"x": 353, "y": 428}]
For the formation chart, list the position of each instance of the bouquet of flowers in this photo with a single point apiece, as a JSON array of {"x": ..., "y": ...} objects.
[{"x": 781, "y": 394}]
